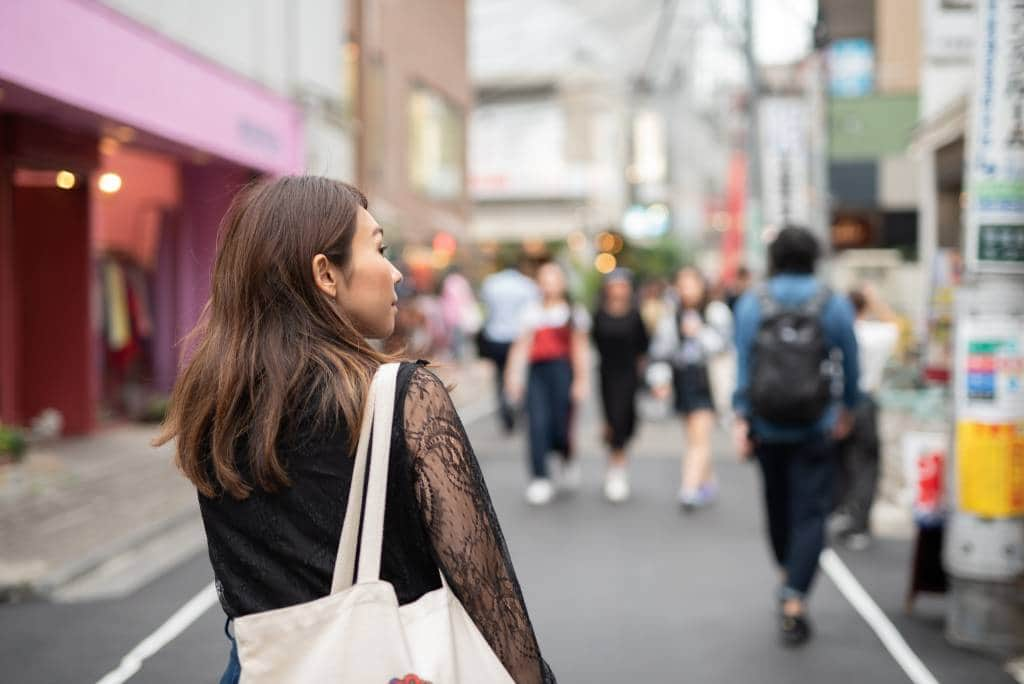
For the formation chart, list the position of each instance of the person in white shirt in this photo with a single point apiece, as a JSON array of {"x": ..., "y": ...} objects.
[
  {"x": 877, "y": 334},
  {"x": 505, "y": 296}
]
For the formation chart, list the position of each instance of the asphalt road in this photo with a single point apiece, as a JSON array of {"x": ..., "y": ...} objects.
[{"x": 616, "y": 593}]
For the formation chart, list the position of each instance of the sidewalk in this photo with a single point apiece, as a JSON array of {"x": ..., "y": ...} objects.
[{"x": 73, "y": 504}]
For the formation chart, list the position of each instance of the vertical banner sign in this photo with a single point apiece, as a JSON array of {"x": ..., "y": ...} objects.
[
  {"x": 785, "y": 133},
  {"x": 995, "y": 163}
]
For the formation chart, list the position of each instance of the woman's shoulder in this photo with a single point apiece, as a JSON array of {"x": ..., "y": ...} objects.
[{"x": 419, "y": 383}]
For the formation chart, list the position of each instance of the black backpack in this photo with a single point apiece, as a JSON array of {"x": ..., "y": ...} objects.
[{"x": 790, "y": 381}]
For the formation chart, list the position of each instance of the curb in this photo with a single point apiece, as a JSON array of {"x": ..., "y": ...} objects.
[{"x": 44, "y": 586}]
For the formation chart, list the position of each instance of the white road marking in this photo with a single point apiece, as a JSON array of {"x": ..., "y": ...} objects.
[
  {"x": 175, "y": 625},
  {"x": 884, "y": 629},
  {"x": 1015, "y": 668}
]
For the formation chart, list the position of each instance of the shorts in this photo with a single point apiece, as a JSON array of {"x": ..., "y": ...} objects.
[{"x": 692, "y": 389}]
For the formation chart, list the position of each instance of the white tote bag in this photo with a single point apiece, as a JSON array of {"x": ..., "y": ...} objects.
[{"x": 359, "y": 633}]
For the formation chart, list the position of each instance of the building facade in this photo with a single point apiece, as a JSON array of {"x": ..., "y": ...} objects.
[
  {"x": 125, "y": 128},
  {"x": 412, "y": 99}
]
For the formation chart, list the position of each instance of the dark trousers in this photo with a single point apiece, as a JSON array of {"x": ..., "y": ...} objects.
[
  {"x": 549, "y": 408},
  {"x": 858, "y": 466},
  {"x": 799, "y": 484},
  {"x": 497, "y": 352}
]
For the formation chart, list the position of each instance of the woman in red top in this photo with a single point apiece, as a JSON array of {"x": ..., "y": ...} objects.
[{"x": 554, "y": 343}]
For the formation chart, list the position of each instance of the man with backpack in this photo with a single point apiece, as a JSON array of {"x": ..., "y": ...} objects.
[{"x": 789, "y": 333}]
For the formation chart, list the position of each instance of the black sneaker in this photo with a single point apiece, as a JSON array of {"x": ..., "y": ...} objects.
[{"x": 794, "y": 630}]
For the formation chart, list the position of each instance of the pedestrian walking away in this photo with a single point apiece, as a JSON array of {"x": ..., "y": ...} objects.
[
  {"x": 787, "y": 330},
  {"x": 505, "y": 296},
  {"x": 877, "y": 334},
  {"x": 689, "y": 335},
  {"x": 621, "y": 340},
  {"x": 266, "y": 415},
  {"x": 552, "y": 352}
]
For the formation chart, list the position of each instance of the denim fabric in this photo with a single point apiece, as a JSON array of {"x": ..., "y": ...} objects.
[
  {"x": 837, "y": 321},
  {"x": 549, "y": 408},
  {"x": 799, "y": 485},
  {"x": 234, "y": 670}
]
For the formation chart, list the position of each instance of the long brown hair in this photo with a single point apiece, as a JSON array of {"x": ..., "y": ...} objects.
[{"x": 268, "y": 338}]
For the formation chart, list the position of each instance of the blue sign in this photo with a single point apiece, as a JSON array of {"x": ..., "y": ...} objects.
[{"x": 851, "y": 68}]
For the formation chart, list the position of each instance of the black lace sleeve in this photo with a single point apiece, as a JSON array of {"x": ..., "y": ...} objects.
[{"x": 460, "y": 520}]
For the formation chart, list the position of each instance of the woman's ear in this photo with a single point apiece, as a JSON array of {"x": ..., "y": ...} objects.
[{"x": 323, "y": 276}]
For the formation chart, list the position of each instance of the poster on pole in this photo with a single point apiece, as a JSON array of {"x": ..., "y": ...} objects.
[
  {"x": 991, "y": 351},
  {"x": 990, "y": 467},
  {"x": 995, "y": 162}
]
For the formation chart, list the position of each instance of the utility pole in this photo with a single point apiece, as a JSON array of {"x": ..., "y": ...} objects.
[
  {"x": 984, "y": 544},
  {"x": 753, "y": 245}
]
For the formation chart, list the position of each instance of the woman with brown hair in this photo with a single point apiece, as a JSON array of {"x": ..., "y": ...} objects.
[{"x": 266, "y": 417}]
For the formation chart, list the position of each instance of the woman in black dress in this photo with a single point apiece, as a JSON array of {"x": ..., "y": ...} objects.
[
  {"x": 621, "y": 340},
  {"x": 262, "y": 416}
]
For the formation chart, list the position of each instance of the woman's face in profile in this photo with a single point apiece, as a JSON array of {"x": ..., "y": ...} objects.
[{"x": 367, "y": 295}]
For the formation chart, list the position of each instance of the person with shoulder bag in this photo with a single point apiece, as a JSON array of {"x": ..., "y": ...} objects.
[
  {"x": 350, "y": 531},
  {"x": 788, "y": 331}
]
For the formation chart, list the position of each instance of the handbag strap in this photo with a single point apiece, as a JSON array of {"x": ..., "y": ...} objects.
[{"x": 363, "y": 528}]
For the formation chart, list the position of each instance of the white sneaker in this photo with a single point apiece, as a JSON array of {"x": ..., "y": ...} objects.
[
  {"x": 570, "y": 475},
  {"x": 616, "y": 484},
  {"x": 539, "y": 492}
]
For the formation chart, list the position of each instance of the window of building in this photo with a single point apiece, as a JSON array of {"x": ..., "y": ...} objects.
[{"x": 436, "y": 141}]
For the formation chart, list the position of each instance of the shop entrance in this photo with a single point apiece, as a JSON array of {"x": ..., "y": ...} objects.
[{"x": 51, "y": 262}]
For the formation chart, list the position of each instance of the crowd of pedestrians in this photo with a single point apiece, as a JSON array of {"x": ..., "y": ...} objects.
[
  {"x": 265, "y": 406},
  {"x": 791, "y": 364}
]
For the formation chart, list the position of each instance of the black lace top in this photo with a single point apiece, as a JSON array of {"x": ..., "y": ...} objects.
[{"x": 276, "y": 550}]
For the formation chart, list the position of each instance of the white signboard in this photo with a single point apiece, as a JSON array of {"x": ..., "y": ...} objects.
[
  {"x": 785, "y": 160},
  {"x": 995, "y": 160},
  {"x": 517, "y": 150},
  {"x": 950, "y": 30}
]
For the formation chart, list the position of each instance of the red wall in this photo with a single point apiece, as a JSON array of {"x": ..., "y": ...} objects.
[{"x": 53, "y": 276}]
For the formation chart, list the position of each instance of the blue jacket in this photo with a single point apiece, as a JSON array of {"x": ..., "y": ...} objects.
[{"x": 837, "y": 320}]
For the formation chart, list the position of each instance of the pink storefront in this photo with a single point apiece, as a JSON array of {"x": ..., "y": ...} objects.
[{"x": 119, "y": 151}]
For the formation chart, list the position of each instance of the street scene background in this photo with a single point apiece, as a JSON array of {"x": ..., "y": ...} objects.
[{"x": 616, "y": 139}]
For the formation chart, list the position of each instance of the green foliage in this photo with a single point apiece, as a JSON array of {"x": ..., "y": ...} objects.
[
  {"x": 12, "y": 442},
  {"x": 659, "y": 259}
]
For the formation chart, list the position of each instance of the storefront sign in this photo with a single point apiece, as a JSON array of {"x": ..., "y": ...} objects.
[
  {"x": 995, "y": 165},
  {"x": 949, "y": 30},
  {"x": 851, "y": 68}
]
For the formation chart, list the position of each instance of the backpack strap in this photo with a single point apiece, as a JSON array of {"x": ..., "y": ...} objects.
[
  {"x": 815, "y": 306},
  {"x": 770, "y": 306}
]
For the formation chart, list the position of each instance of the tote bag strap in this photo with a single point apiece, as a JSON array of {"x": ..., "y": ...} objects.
[
  {"x": 371, "y": 542},
  {"x": 378, "y": 416}
]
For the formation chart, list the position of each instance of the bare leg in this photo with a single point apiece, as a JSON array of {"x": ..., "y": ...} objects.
[
  {"x": 793, "y": 607},
  {"x": 617, "y": 457},
  {"x": 697, "y": 466}
]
